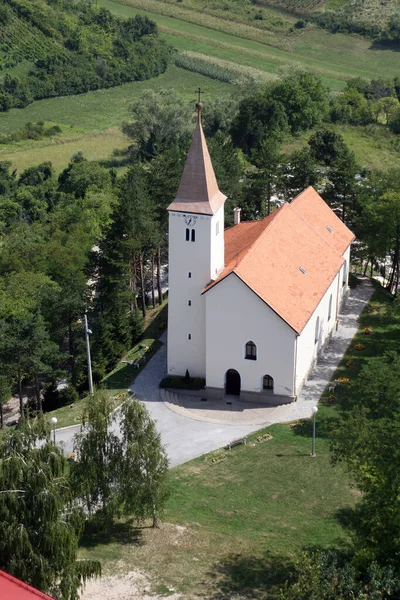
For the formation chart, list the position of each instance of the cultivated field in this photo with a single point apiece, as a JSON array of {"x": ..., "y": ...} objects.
[{"x": 216, "y": 53}]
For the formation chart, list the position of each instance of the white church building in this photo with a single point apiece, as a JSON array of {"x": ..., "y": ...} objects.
[{"x": 251, "y": 306}]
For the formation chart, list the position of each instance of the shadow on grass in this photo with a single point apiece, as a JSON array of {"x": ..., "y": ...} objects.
[
  {"x": 349, "y": 518},
  {"x": 126, "y": 534},
  {"x": 249, "y": 576}
]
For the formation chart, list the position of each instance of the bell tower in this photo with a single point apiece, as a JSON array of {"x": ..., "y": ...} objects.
[{"x": 196, "y": 256}]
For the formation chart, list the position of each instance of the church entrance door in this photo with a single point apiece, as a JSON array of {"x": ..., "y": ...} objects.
[{"x": 232, "y": 382}]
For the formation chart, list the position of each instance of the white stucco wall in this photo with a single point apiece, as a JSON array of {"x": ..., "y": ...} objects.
[
  {"x": 236, "y": 315},
  {"x": 307, "y": 347},
  {"x": 203, "y": 259},
  {"x": 344, "y": 275}
]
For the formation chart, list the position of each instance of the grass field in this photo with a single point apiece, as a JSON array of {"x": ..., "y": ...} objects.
[
  {"x": 235, "y": 527},
  {"x": 95, "y": 146},
  {"x": 91, "y": 121},
  {"x": 373, "y": 146},
  {"x": 232, "y": 529},
  {"x": 335, "y": 57}
]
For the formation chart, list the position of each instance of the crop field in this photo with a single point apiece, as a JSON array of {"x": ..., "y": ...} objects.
[
  {"x": 212, "y": 52},
  {"x": 335, "y": 57}
]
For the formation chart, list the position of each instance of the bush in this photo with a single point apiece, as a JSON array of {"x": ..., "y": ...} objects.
[
  {"x": 68, "y": 395},
  {"x": 183, "y": 383}
]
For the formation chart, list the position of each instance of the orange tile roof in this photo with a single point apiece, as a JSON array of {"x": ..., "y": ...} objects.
[
  {"x": 267, "y": 256},
  {"x": 198, "y": 190},
  {"x": 316, "y": 211}
]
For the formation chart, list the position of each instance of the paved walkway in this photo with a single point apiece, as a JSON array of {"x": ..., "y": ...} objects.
[{"x": 190, "y": 427}]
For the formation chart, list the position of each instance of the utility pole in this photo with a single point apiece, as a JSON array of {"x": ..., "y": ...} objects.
[{"x": 89, "y": 362}]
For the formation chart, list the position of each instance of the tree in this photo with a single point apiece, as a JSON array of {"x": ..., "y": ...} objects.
[
  {"x": 366, "y": 441},
  {"x": 267, "y": 159},
  {"x": 40, "y": 524},
  {"x": 326, "y": 145},
  {"x": 161, "y": 119},
  {"x": 144, "y": 487},
  {"x": 342, "y": 186},
  {"x": 332, "y": 575},
  {"x": 119, "y": 473},
  {"x": 25, "y": 345},
  {"x": 298, "y": 172},
  {"x": 95, "y": 475},
  {"x": 388, "y": 106}
]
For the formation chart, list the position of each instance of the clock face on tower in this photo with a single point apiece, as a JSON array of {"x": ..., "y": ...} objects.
[{"x": 190, "y": 220}]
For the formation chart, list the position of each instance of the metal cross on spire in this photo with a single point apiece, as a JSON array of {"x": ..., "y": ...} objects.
[{"x": 199, "y": 92}]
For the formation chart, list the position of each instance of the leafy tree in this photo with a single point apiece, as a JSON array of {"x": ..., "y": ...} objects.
[
  {"x": 342, "y": 186},
  {"x": 25, "y": 346},
  {"x": 144, "y": 488},
  {"x": 217, "y": 115},
  {"x": 267, "y": 158},
  {"x": 388, "y": 106},
  {"x": 326, "y": 145},
  {"x": 96, "y": 472},
  {"x": 351, "y": 107},
  {"x": 366, "y": 441},
  {"x": 331, "y": 575},
  {"x": 161, "y": 119},
  {"x": 298, "y": 171},
  {"x": 40, "y": 524},
  {"x": 296, "y": 103},
  {"x": 119, "y": 474}
]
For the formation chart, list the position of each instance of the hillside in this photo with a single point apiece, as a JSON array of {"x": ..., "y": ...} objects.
[{"x": 58, "y": 47}]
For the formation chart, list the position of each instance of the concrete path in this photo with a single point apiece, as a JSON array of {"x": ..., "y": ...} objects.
[{"x": 190, "y": 427}]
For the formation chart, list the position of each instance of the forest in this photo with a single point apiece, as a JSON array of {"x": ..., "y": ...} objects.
[{"x": 58, "y": 48}]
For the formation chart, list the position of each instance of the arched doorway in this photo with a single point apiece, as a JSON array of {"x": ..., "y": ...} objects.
[{"x": 232, "y": 385}]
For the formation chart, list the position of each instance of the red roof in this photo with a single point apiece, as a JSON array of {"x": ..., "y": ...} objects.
[
  {"x": 14, "y": 589},
  {"x": 287, "y": 260}
]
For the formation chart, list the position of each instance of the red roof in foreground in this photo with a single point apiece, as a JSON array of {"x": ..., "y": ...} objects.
[
  {"x": 290, "y": 258},
  {"x": 14, "y": 589}
]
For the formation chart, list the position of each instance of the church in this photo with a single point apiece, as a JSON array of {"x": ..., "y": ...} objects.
[{"x": 251, "y": 306}]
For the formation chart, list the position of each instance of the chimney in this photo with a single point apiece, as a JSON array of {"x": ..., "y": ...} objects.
[{"x": 236, "y": 215}]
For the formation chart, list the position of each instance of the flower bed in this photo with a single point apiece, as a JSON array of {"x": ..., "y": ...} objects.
[
  {"x": 217, "y": 459},
  {"x": 359, "y": 347},
  {"x": 264, "y": 437}
]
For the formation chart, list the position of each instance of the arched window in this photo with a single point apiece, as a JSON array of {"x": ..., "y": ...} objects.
[
  {"x": 330, "y": 308},
  {"x": 344, "y": 272},
  {"x": 268, "y": 382},
  {"x": 187, "y": 235},
  {"x": 193, "y": 235},
  {"x": 316, "y": 330},
  {"x": 251, "y": 351}
]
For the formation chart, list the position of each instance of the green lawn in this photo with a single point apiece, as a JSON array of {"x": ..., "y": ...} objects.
[{"x": 236, "y": 526}]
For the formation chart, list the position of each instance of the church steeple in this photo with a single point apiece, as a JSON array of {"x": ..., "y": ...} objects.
[{"x": 198, "y": 191}]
